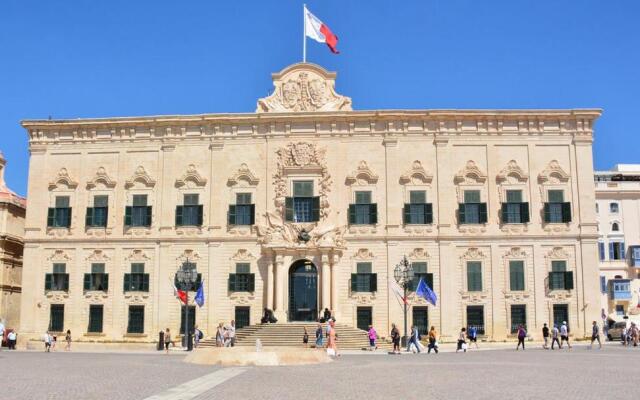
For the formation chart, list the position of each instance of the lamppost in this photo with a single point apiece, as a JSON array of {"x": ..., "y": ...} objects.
[
  {"x": 186, "y": 277},
  {"x": 403, "y": 274}
]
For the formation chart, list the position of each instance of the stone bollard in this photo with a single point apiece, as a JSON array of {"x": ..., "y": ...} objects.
[{"x": 258, "y": 345}]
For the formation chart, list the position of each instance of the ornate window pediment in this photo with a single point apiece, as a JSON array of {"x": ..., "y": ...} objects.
[
  {"x": 243, "y": 174},
  {"x": 363, "y": 254},
  {"x": 101, "y": 177},
  {"x": 137, "y": 255},
  {"x": 191, "y": 176},
  {"x": 98, "y": 256},
  {"x": 142, "y": 177},
  {"x": 362, "y": 175},
  {"x": 558, "y": 253},
  {"x": 473, "y": 253},
  {"x": 243, "y": 255},
  {"x": 470, "y": 174},
  {"x": 512, "y": 173},
  {"x": 515, "y": 252},
  {"x": 63, "y": 181},
  {"x": 59, "y": 255},
  {"x": 190, "y": 255},
  {"x": 553, "y": 174},
  {"x": 418, "y": 254},
  {"x": 417, "y": 175}
]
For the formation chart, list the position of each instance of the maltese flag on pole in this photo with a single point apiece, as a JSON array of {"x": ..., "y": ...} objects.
[{"x": 316, "y": 30}]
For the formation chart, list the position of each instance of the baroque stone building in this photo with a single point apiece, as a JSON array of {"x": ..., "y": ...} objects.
[
  {"x": 307, "y": 204},
  {"x": 12, "y": 213}
]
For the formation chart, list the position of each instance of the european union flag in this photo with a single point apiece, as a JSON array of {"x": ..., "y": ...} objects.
[
  {"x": 423, "y": 290},
  {"x": 199, "y": 299}
]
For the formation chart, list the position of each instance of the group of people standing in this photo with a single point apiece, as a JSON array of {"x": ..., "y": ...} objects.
[
  {"x": 50, "y": 341},
  {"x": 226, "y": 334}
]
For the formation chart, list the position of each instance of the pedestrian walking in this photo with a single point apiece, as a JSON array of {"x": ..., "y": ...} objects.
[
  {"x": 319, "y": 344},
  {"x": 332, "y": 345},
  {"x": 67, "y": 339},
  {"x": 545, "y": 336},
  {"x": 395, "y": 338},
  {"x": 54, "y": 341},
  {"x": 472, "y": 334},
  {"x": 522, "y": 334},
  {"x": 595, "y": 335},
  {"x": 1, "y": 332},
  {"x": 462, "y": 340},
  {"x": 413, "y": 339},
  {"x": 197, "y": 336},
  {"x": 305, "y": 337},
  {"x": 554, "y": 337},
  {"x": 624, "y": 336},
  {"x": 634, "y": 333},
  {"x": 232, "y": 334},
  {"x": 220, "y": 335},
  {"x": 167, "y": 340},
  {"x": 433, "y": 340},
  {"x": 564, "y": 334},
  {"x": 373, "y": 336},
  {"x": 12, "y": 337},
  {"x": 47, "y": 342}
]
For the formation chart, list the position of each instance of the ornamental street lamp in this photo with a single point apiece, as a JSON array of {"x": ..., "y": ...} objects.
[
  {"x": 186, "y": 277},
  {"x": 403, "y": 274}
]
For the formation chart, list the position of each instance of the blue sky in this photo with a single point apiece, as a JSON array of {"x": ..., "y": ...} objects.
[{"x": 73, "y": 59}]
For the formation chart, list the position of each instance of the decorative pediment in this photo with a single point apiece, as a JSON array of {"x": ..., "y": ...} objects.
[
  {"x": 363, "y": 175},
  {"x": 101, "y": 178},
  {"x": 191, "y": 176},
  {"x": 304, "y": 87},
  {"x": 473, "y": 253},
  {"x": 188, "y": 255},
  {"x": 363, "y": 254},
  {"x": 558, "y": 253},
  {"x": 243, "y": 174},
  {"x": 243, "y": 255},
  {"x": 470, "y": 174},
  {"x": 512, "y": 173},
  {"x": 63, "y": 180},
  {"x": 98, "y": 256},
  {"x": 515, "y": 252},
  {"x": 137, "y": 255},
  {"x": 142, "y": 177},
  {"x": 418, "y": 254},
  {"x": 553, "y": 174},
  {"x": 59, "y": 255},
  {"x": 417, "y": 175}
]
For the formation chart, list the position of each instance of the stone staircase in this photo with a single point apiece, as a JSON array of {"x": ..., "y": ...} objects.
[{"x": 290, "y": 335}]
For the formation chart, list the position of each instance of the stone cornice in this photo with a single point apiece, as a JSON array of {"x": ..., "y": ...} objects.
[{"x": 577, "y": 123}]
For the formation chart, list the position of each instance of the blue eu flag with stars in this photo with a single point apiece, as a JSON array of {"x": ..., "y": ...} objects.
[
  {"x": 199, "y": 299},
  {"x": 423, "y": 290}
]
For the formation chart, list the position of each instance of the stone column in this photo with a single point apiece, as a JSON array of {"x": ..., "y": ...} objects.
[
  {"x": 280, "y": 278},
  {"x": 326, "y": 282},
  {"x": 335, "y": 304},
  {"x": 270, "y": 285}
]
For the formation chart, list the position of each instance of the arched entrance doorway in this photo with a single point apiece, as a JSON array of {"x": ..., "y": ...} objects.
[{"x": 303, "y": 291}]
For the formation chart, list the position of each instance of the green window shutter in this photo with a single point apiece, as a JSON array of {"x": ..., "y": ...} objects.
[
  {"x": 288, "y": 209},
  {"x": 127, "y": 283},
  {"x": 145, "y": 282},
  {"x": 51, "y": 215},
  {"x": 552, "y": 281},
  {"x": 352, "y": 213},
  {"x": 127, "y": 215},
  {"x": 65, "y": 283},
  {"x": 148, "y": 215},
  {"x": 315, "y": 208},
  {"x": 547, "y": 212},
  {"x": 200, "y": 215},
  {"x": 483, "y": 213},
  {"x": 373, "y": 213},
  {"x": 231, "y": 216},
  {"x": 568, "y": 280},
  {"x": 461, "y": 214},
  {"x": 429, "y": 280},
  {"x": 106, "y": 282},
  {"x": 566, "y": 212},
  {"x": 503, "y": 213},
  {"x": 179, "y": 210},
  {"x": 88, "y": 221},
  {"x": 428, "y": 213},
  {"x": 232, "y": 282},
  {"x": 48, "y": 281},
  {"x": 373, "y": 282},
  {"x": 252, "y": 282},
  {"x": 252, "y": 214},
  {"x": 406, "y": 214},
  {"x": 87, "y": 281},
  {"x": 524, "y": 213},
  {"x": 68, "y": 221},
  {"x": 354, "y": 282}
]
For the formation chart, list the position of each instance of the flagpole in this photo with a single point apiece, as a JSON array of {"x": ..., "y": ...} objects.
[{"x": 304, "y": 33}]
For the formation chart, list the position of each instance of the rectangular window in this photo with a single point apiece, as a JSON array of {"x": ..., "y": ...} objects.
[
  {"x": 475, "y": 318},
  {"x": 363, "y": 197},
  {"x": 139, "y": 200},
  {"x": 136, "y": 319},
  {"x": 601, "y": 251},
  {"x": 420, "y": 272},
  {"x": 516, "y": 275},
  {"x": 137, "y": 268},
  {"x": 190, "y": 213},
  {"x": 514, "y": 196},
  {"x": 60, "y": 215},
  {"x": 619, "y": 310},
  {"x": 58, "y": 280},
  {"x": 96, "y": 312},
  {"x": 603, "y": 284},
  {"x": 418, "y": 211},
  {"x": 243, "y": 268},
  {"x": 560, "y": 314},
  {"x": 62, "y": 201},
  {"x": 97, "y": 215},
  {"x": 421, "y": 319},
  {"x": 417, "y": 196},
  {"x": 518, "y": 317},
  {"x": 243, "y": 280},
  {"x": 514, "y": 210},
  {"x": 616, "y": 251},
  {"x": 56, "y": 318},
  {"x": 363, "y": 268},
  {"x": 364, "y": 318},
  {"x": 191, "y": 199},
  {"x": 474, "y": 276},
  {"x": 243, "y": 212},
  {"x": 59, "y": 268},
  {"x": 302, "y": 188},
  {"x": 137, "y": 280},
  {"x": 364, "y": 280},
  {"x": 97, "y": 279},
  {"x": 97, "y": 268},
  {"x": 302, "y": 208},
  {"x": 242, "y": 315},
  {"x": 101, "y": 201},
  {"x": 555, "y": 196},
  {"x": 192, "y": 318},
  {"x": 471, "y": 196},
  {"x": 243, "y": 198},
  {"x": 139, "y": 214}
]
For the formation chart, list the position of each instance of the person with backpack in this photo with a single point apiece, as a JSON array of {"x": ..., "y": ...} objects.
[
  {"x": 472, "y": 335},
  {"x": 554, "y": 337},
  {"x": 522, "y": 334},
  {"x": 545, "y": 335},
  {"x": 395, "y": 338}
]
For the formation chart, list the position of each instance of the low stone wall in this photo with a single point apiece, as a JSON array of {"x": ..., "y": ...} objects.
[{"x": 268, "y": 356}]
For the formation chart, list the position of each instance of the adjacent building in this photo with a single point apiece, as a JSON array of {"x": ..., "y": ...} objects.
[
  {"x": 307, "y": 204},
  {"x": 12, "y": 214},
  {"x": 618, "y": 213}
]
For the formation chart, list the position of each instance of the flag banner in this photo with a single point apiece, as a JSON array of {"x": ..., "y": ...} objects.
[
  {"x": 397, "y": 290},
  {"x": 199, "y": 299},
  {"x": 316, "y": 30},
  {"x": 179, "y": 294},
  {"x": 423, "y": 290}
]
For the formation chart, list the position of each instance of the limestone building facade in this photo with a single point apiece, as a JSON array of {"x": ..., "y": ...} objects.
[
  {"x": 12, "y": 214},
  {"x": 307, "y": 204}
]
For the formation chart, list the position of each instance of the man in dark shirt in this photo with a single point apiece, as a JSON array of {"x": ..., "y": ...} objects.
[{"x": 545, "y": 335}]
